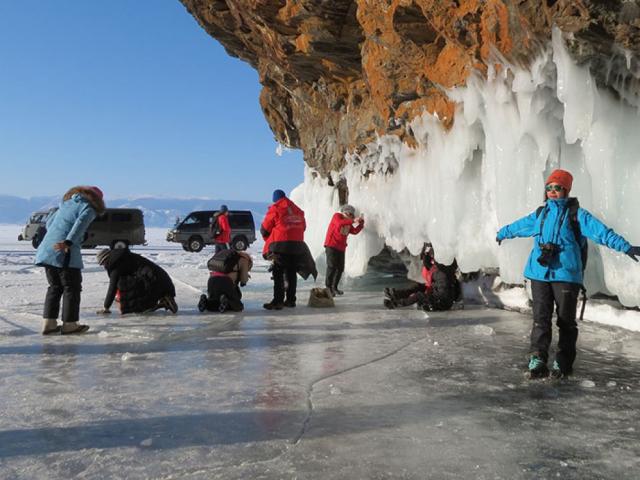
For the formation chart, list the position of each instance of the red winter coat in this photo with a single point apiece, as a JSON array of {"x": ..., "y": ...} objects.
[
  {"x": 284, "y": 222},
  {"x": 225, "y": 229},
  {"x": 339, "y": 228}
]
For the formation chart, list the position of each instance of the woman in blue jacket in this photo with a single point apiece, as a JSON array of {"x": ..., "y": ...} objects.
[
  {"x": 555, "y": 269},
  {"x": 59, "y": 253}
]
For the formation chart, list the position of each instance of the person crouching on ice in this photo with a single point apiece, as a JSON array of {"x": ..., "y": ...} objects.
[
  {"x": 439, "y": 291},
  {"x": 142, "y": 286},
  {"x": 335, "y": 244},
  {"x": 555, "y": 269},
  {"x": 59, "y": 254},
  {"x": 229, "y": 270}
]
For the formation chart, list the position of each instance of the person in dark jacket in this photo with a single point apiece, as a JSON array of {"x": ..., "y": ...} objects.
[
  {"x": 283, "y": 232},
  {"x": 439, "y": 291},
  {"x": 555, "y": 270},
  {"x": 220, "y": 229},
  {"x": 59, "y": 254},
  {"x": 139, "y": 284},
  {"x": 335, "y": 244},
  {"x": 223, "y": 289}
]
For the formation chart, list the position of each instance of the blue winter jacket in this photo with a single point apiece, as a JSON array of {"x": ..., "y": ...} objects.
[
  {"x": 70, "y": 223},
  {"x": 566, "y": 266}
]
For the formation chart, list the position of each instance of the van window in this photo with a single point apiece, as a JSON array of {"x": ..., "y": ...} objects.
[
  {"x": 121, "y": 217},
  {"x": 197, "y": 219},
  {"x": 241, "y": 220}
]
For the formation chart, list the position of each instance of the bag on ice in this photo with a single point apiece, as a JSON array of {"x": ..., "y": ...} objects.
[{"x": 320, "y": 298}]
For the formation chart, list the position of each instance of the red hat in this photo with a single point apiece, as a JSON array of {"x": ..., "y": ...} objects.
[
  {"x": 97, "y": 191},
  {"x": 562, "y": 178}
]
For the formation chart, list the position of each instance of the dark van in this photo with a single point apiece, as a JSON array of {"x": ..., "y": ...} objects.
[
  {"x": 116, "y": 228},
  {"x": 194, "y": 231}
]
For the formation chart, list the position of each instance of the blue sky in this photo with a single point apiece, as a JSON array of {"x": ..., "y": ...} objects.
[{"x": 132, "y": 96}]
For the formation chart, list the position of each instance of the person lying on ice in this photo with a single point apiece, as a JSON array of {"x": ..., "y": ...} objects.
[
  {"x": 439, "y": 291},
  {"x": 335, "y": 244},
  {"x": 140, "y": 285},
  {"x": 555, "y": 269},
  {"x": 229, "y": 270}
]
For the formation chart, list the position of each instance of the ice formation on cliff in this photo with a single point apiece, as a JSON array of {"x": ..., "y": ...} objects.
[{"x": 457, "y": 187}]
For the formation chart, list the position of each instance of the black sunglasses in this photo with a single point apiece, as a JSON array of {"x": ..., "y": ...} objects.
[{"x": 554, "y": 188}]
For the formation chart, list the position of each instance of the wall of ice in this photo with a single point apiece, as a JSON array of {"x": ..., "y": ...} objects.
[{"x": 458, "y": 187}]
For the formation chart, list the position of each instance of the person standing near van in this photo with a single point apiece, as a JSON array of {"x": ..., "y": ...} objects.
[
  {"x": 220, "y": 229},
  {"x": 283, "y": 232},
  {"x": 59, "y": 254},
  {"x": 555, "y": 269},
  {"x": 335, "y": 244}
]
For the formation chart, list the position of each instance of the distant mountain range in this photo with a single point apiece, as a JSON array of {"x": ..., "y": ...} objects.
[{"x": 158, "y": 212}]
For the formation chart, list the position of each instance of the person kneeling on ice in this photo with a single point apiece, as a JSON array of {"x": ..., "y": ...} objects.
[
  {"x": 440, "y": 290},
  {"x": 229, "y": 271},
  {"x": 555, "y": 269},
  {"x": 59, "y": 254},
  {"x": 139, "y": 284},
  {"x": 335, "y": 244}
]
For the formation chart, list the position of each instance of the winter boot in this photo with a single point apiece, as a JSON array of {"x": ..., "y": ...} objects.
[
  {"x": 169, "y": 303},
  {"x": 558, "y": 373},
  {"x": 203, "y": 303},
  {"x": 390, "y": 304},
  {"x": 223, "y": 303},
  {"x": 73, "y": 328},
  {"x": 537, "y": 368},
  {"x": 390, "y": 293},
  {"x": 273, "y": 305},
  {"x": 337, "y": 291},
  {"x": 49, "y": 326},
  {"x": 290, "y": 303}
]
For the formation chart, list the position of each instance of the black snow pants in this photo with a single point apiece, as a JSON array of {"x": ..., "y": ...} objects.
[
  {"x": 218, "y": 247},
  {"x": 285, "y": 267},
  {"x": 408, "y": 296},
  {"x": 65, "y": 284},
  {"x": 564, "y": 297},
  {"x": 217, "y": 286},
  {"x": 335, "y": 267}
]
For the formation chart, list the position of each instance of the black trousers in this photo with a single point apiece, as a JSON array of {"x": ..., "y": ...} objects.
[
  {"x": 217, "y": 286},
  {"x": 285, "y": 268},
  {"x": 409, "y": 296},
  {"x": 219, "y": 247},
  {"x": 335, "y": 267},
  {"x": 65, "y": 284},
  {"x": 564, "y": 297}
]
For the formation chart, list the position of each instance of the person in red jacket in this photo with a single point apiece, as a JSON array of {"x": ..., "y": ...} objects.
[
  {"x": 439, "y": 291},
  {"x": 220, "y": 229},
  {"x": 283, "y": 232},
  {"x": 335, "y": 244}
]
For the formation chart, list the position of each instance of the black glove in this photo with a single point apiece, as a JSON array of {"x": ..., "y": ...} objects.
[
  {"x": 498, "y": 240},
  {"x": 632, "y": 252}
]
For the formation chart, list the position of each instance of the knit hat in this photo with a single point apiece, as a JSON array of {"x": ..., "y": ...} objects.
[
  {"x": 562, "y": 178},
  {"x": 97, "y": 191},
  {"x": 103, "y": 255},
  {"x": 348, "y": 210},
  {"x": 224, "y": 209},
  {"x": 278, "y": 194}
]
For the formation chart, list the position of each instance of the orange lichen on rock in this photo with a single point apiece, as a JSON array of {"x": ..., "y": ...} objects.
[{"x": 336, "y": 73}]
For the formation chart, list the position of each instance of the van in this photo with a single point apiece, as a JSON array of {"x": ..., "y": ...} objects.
[
  {"x": 116, "y": 228},
  {"x": 194, "y": 231}
]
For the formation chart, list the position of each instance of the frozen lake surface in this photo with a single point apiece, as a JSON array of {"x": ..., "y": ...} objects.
[{"x": 352, "y": 392}]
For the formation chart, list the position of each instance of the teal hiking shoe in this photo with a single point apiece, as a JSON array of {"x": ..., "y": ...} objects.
[
  {"x": 537, "y": 368},
  {"x": 557, "y": 372}
]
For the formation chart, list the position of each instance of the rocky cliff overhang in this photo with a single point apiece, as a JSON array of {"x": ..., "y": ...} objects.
[{"x": 338, "y": 73}]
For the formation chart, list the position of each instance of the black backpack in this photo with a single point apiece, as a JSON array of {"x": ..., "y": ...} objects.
[
  {"x": 573, "y": 206},
  {"x": 224, "y": 261}
]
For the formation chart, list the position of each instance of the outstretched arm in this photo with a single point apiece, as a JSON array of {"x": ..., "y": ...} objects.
[
  {"x": 524, "y": 227},
  {"x": 597, "y": 231}
]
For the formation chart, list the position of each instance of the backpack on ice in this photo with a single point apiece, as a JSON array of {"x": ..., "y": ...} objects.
[{"x": 225, "y": 261}]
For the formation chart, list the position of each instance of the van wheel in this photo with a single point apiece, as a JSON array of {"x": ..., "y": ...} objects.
[
  {"x": 35, "y": 242},
  {"x": 119, "y": 244},
  {"x": 240, "y": 244},
  {"x": 196, "y": 244},
  {"x": 185, "y": 247}
]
